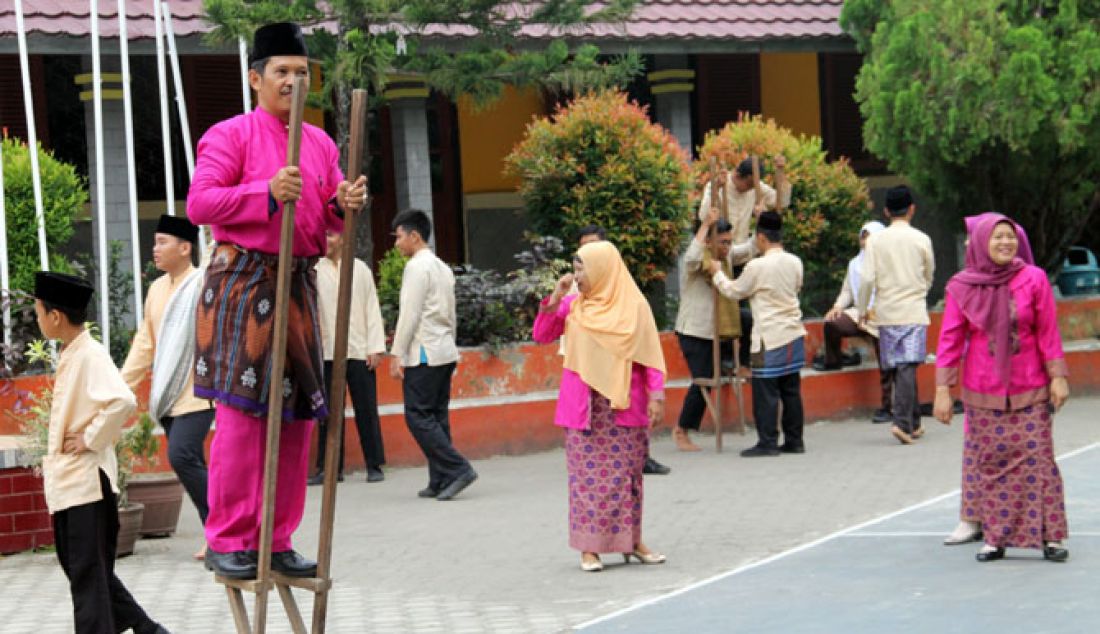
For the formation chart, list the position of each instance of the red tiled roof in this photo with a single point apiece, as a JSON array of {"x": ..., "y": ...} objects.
[
  {"x": 653, "y": 19},
  {"x": 71, "y": 17}
]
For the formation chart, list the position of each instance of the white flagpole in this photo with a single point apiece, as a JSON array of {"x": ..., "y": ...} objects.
[
  {"x": 165, "y": 115},
  {"x": 32, "y": 136},
  {"x": 131, "y": 177},
  {"x": 181, "y": 108},
  {"x": 177, "y": 79},
  {"x": 246, "y": 90},
  {"x": 100, "y": 189},
  {"x": 4, "y": 277}
]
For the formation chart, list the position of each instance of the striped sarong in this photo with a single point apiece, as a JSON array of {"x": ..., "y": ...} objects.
[
  {"x": 234, "y": 326},
  {"x": 781, "y": 361}
]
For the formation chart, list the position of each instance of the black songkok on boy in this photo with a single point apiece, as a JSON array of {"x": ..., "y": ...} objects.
[
  {"x": 898, "y": 198},
  {"x": 178, "y": 226},
  {"x": 65, "y": 291}
]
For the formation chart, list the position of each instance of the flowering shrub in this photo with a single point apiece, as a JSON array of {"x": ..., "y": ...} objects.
[
  {"x": 829, "y": 202},
  {"x": 599, "y": 160}
]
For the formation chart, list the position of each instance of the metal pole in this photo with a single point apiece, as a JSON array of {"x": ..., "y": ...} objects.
[
  {"x": 100, "y": 189},
  {"x": 246, "y": 90},
  {"x": 131, "y": 176},
  {"x": 181, "y": 108},
  {"x": 165, "y": 115},
  {"x": 4, "y": 278},
  {"x": 32, "y": 136}
]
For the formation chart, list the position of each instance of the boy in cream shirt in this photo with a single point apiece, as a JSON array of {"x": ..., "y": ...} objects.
[{"x": 80, "y": 469}]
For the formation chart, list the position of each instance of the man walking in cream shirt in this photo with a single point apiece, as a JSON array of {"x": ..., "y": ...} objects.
[
  {"x": 425, "y": 355},
  {"x": 366, "y": 345},
  {"x": 897, "y": 271}
]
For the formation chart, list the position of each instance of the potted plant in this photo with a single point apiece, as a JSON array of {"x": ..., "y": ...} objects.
[
  {"x": 36, "y": 428},
  {"x": 160, "y": 493}
]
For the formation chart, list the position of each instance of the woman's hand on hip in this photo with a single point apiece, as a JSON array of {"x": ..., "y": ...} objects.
[
  {"x": 1059, "y": 392},
  {"x": 943, "y": 405}
]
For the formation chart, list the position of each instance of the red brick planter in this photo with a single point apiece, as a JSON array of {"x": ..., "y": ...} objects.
[{"x": 24, "y": 520}]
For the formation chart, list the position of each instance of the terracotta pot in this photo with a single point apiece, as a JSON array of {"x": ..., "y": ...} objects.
[
  {"x": 162, "y": 495},
  {"x": 129, "y": 521}
]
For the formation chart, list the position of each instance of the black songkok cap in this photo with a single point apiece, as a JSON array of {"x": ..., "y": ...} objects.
[
  {"x": 744, "y": 168},
  {"x": 898, "y": 198},
  {"x": 178, "y": 226},
  {"x": 281, "y": 38},
  {"x": 769, "y": 221},
  {"x": 59, "y": 289}
]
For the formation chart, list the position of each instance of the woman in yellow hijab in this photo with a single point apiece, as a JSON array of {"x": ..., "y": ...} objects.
[{"x": 612, "y": 390}]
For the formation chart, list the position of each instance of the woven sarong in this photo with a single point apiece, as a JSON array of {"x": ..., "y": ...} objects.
[
  {"x": 234, "y": 325},
  {"x": 900, "y": 345}
]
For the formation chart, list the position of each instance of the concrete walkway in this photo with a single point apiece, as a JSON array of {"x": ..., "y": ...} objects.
[{"x": 496, "y": 559}]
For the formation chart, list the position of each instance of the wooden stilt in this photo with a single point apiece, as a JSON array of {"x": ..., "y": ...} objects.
[{"x": 356, "y": 148}]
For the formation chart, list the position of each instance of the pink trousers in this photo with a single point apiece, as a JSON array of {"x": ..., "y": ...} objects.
[{"x": 236, "y": 482}]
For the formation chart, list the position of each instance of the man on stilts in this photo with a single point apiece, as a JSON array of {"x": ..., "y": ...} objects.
[{"x": 239, "y": 188}]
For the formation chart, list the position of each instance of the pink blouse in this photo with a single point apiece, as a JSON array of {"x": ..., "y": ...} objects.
[
  {"x": 1036, "y": 349},
  {"x": 574, "y": 397}
]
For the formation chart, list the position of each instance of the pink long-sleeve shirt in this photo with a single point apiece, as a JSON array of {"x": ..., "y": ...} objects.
[
  {"x": 236, "y": 159},
  {"x": 645, "y": 383},
  {"x": 1036, "y": 349}
]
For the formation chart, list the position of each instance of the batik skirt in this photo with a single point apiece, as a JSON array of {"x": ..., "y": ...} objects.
[
  {"x": 900, "y": 345},
  {"x": 1011, "y": 484},
  {"x": 234, "y": 329},
  {"x": 605, "y": 465}
]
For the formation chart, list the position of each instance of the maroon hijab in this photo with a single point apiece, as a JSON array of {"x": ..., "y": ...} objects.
[
  {"x": 981, "y": 289},
  {"x": 1024, "y": 253}
]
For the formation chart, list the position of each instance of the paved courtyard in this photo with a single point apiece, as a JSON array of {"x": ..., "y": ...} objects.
[{"x": 496, "y": 560}]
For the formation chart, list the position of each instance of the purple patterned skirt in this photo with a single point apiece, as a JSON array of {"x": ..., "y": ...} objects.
[
  {"x": 605, "y": 482},
  {"x": 1011, "y": 484}
]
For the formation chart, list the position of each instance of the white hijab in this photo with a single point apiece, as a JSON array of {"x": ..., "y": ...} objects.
[{"x": 856, "y": 263}]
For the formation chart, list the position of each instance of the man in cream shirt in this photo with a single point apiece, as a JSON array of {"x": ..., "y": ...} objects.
[
  {"x": 425, "y": 355},
  {"x": 897, "y": 270},
  {"x": 366, "y": 345}
]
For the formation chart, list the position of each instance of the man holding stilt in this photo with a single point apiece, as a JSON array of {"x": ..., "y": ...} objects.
[
  {"x": 165, "y": 343},
  {"x": 897, "y": 270},
  {"x": 239, "y": 188},
  {"x": 695, "y": 316},
  {"x": 771, "y": 283}
]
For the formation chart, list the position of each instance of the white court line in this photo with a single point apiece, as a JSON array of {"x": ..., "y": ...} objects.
[
  {"x": 939, "y": 534},
  {"x": 797, "y": 549}
]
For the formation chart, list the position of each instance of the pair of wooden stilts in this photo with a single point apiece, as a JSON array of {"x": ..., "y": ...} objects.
[
  {"x": 266, "y": 578},
  {"x": 711, "y": 387}
]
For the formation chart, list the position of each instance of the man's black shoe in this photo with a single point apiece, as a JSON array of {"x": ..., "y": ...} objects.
[
  {"x": 374, "y": 474},
  {"x": 792, "y": 448},
  {"x": 320, "y": 479},
  {"x": 427, "y": 492},
  {"x": 291, "y": 564},
  {"x": 821, "y": 366},
  {"x": 234, "y": 565},
  {"x": 758, "y": 451},
  {"x": 851, "y": 358},
  {"x": 882, "y": 416},
  {"x": 655, "y": 468},
  {"x": 457, "y": 485}
]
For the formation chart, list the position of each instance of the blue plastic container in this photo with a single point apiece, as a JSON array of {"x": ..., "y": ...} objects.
[{"x": 1080, "y": 274}]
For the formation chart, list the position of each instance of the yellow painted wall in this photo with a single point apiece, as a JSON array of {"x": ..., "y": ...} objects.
[
  {"x": 486, "y": 136},
  {"x": 789, "y": 91}
]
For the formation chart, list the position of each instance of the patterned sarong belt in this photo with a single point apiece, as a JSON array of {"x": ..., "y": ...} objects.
[{"x": 234, "y": 326}]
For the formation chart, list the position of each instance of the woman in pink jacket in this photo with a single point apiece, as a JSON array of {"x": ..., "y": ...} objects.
[
  {"x": 612, "y": 390},
  {"x": 1000, "y": 324}
]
